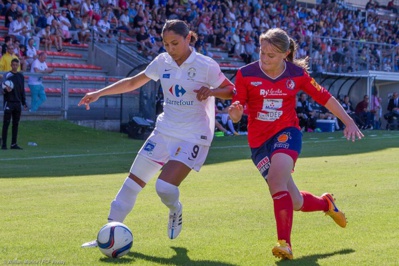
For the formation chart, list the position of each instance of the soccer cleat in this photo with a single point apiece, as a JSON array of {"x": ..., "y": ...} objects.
[
  {"x": 91, "y": 244},
  {"x": 175, "y": 223},
  {"x": 15, "y": 147},
  {"x": 283, "y": 250},
  {"x": 338, "y": 216}
]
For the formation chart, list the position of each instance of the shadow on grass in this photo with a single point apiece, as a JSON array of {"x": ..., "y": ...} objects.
[
  {"x": 181, "y": 258},
  {"x": 312, "y": 259}
]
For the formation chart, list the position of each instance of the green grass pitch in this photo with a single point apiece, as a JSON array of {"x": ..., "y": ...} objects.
[{"x": 55, "y": 196}]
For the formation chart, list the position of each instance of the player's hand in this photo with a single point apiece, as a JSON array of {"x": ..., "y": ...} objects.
[
  {"x": 89, "y": 98},
  {"x": 235, "y": 111},
  {"x": 203, "y": 93},
  {"x": 351, "y": 132}
]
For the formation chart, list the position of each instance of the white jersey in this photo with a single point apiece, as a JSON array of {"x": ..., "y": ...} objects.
[
  {"x": 185, "y": 117},
  {"x": 37, "y": 80}
]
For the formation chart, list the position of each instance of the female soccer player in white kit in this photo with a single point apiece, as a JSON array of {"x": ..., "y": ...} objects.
[{"x": 183, "y": 132}]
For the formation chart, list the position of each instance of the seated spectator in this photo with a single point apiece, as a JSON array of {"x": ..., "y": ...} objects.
[
  {"x": 17, "y": 28},
  {"x": 103, "y": 30},
  {"x": 306, "y": 122},
  {"x": 45, "y": 37},
  {"x": 239, "y": 50},
  {"x": 29, "y": 32},
  {"x": 393, "y": 105},
  {"x": 347, "y": 105},
  {"x": 11, "y": 14},
  {"x": 5, "y": 60},
  {"x": 31, "y": 53},
  {"x": 363, "y": 112},
  {"x": 7, "y": 41},
  {"x": 20, "y": 52},
  {"x": 222, "y": 107},
  {"x": 65, "y": 25},
  {"x": 82, "y": 26},
  {"x": 56, "y": 35},
  {"x": 124, "y": 23},
  {"x": 219, "y": 127}
]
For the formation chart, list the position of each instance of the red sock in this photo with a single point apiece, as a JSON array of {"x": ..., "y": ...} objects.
[
  {"x": 283, "y": 213},
  {"x": 313, "y": 203}
]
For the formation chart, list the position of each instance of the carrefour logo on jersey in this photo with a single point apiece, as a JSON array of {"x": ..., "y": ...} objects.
[{"x": 177, "y": 91}]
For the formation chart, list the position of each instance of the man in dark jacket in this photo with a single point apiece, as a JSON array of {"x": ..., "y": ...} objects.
[{"x": 14, "y": 98}]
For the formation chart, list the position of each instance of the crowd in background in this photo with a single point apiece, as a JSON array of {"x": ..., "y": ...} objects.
[{"x": 336, "y": 37}]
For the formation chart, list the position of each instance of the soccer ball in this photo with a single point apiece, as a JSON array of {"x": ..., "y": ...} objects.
[
  {"x": 115, "y": 239},
  {"x": 8, "y": 83}
]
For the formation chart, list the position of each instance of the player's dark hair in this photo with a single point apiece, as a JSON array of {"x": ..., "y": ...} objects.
[
  {"x": 15, "y": 61},
  {"x": 179, "y": 27},
  {"x": 283, "y": 43}
]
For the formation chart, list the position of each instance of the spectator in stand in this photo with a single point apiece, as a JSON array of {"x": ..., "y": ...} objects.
[
  {"x": 393, "y": 105},
  {"x": 103, "y": 29},
  {"x": 31, "y": 20},
  {"x": 6, "y": 59},
  {"x": 56, "y": 35},
  {"x": 48, "y": 4},
  {"x": 45, "y": 37},
  {"x": 391, "y": 6},
  {"x": 124, "y": 23},
  {"x": 11, "y": 14},
  {"x": 239, "y": 51},
  {"x": 34, "y": 4},
  {"x": 65, "y": 25},
  {"x": 29, "y": 32},
  {"x": 347, "y": 105},
  {"x": 7, "y": 41},
  {"x": 222, "y": 108},
  {"x": 38, "y": 94},
  {"x": 96, "y": 7},
  {"x": 17, "y": 28},
  {"x": 86, "y": 8},
  {"x": 362, "y": 110},
  {"x": 81, "y": 26},
  {"x": 109, "y": 15},
  {"x": 306, "y": 122},
  {"x": 20, "y": 52},
  {"x": 31, "y": 53},
  {"x": 70, "y": 12}
]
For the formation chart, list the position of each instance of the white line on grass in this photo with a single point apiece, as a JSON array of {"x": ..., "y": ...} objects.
[{"x": 386, "y": 136}]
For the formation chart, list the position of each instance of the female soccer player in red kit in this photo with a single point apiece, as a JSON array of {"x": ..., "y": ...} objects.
[{"x": 269, "y": 87}]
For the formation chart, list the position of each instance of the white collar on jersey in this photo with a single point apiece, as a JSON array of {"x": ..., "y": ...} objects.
[{"x": 189, "y": 60}]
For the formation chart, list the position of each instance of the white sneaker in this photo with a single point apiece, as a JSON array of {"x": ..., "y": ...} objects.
[
  {"x": 91, "y": 244},
  {"x": 175, "y": 223}
]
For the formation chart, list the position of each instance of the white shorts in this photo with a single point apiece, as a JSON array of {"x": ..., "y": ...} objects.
[{"x": 160, "y": 148}]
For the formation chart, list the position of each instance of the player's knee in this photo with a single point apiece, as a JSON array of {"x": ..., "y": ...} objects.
[
  {"x": 164, "y": 189},
  {"x": 144, "y": 169}
]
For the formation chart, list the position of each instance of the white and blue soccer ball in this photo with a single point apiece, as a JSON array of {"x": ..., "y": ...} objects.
[
  {"x": 7, "y": 83},
  {"x": 115, "y": 239}
]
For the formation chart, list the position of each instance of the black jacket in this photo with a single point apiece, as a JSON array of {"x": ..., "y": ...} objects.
[{"x": 18, "y": 93}]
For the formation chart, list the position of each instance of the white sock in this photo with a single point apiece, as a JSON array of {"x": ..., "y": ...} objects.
[
  {"x": 124, "y": 200},
  {"x": 169, "y": 194}
]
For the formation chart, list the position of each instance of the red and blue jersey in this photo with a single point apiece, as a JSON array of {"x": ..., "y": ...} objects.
[{"x": 271, "y": 102}]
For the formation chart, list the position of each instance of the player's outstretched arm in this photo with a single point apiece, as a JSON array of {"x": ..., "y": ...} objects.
[
  {"x": 119, "y": 87},
  {"x": 351, "y": 131}
]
